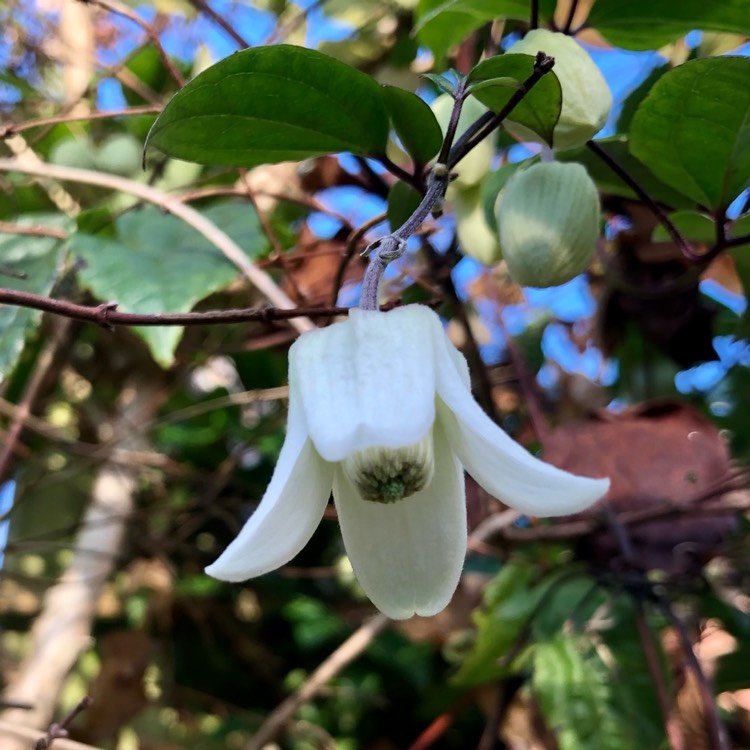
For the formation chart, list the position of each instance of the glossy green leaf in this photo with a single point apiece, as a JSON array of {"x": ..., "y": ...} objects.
[
  {"x": 608, "y": 182},
  {"x": 693, "y": 129},
  {"x": 539, "y": 110},
  {"x": 441, "y": 24},
  {"x": 414, "y": 124},
  {"x": 650, "y": 24},
  {"x": 273, "y": 104},
  {"x": 39, "y": 258},
  {"x": 160, "y": 264}
]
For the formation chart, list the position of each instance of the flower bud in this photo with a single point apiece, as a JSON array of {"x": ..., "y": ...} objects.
[
  {"x": 548, "y": 218},
  {"x": 386, "y": 475},
  {"x": 586, "y": 98},
  {"x": 476, "y": 237}
]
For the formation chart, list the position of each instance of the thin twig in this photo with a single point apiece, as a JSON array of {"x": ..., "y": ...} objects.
[
  {"x": 534, "y": 15},
  {"x": 14, "y": 128},
  {"x": 227, "y": 27},
  {"x": 30, "y": 393},
  {"x": 13, "y": 729},
  {"x": 571, "y": 15},
  {"x": 8, "y": 227},
  {"x": 220, "y": 239},
  {"x": 490, "y": 121},
  {"x": 656, "y": 209},
  {"x": 716, "y": 731},
  {"x": 349, "y": 650},
  {"x": 120, "y": 9},
  {"x": 58, "y": 730},
  {"x": 107, "y": 316}
]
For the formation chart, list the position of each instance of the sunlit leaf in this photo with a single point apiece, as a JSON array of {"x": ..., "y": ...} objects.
[
  {"x": 37, "y": 259},
  {"x": 158, "y": 263},
  {"x": 693, "y": 130},
  {"x": 443, "y": 23},
  {"x": 271, "y": 104},
  {"x": 650, "y": 24}
]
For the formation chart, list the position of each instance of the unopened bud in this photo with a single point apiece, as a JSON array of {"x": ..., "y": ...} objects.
[
  {"x": 586, "y": 98},
  {"x": 548, "y": 219}
]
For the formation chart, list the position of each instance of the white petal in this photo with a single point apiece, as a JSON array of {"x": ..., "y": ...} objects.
[
  {"x": 289, "y": 512},
  {"x": 366, "y": 382},
  {"x": 503, "y": 467},
  {"x": 408, "y": 555}
]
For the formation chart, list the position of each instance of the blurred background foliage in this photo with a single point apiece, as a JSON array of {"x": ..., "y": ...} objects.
[{"x": 131, "y": 457}]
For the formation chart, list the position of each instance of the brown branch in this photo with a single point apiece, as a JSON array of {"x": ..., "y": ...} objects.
[
  {"x": 716, "y": 731},
  {"x": 8, "y": 227},
  {"x": 220, "y": 239},
  {"x": 33, "y": 386},
  {"x": 14, "y": 128},
  {"x": 107, "y": 316},
  {"x": 56, "y": 731},
  {"x": 208, "y": 11},
  {"x": 120, "y": 9}
]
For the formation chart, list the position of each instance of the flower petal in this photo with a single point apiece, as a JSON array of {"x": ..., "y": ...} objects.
[
  {"x": 408, "y": 555},
  {"x": 503, "y": 467},
  {"x": 289, "y": 512},
  {"x": 366, "y": 382}
]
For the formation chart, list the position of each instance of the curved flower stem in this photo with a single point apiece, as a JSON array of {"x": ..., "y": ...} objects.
[{"x": 393, "y": 245}]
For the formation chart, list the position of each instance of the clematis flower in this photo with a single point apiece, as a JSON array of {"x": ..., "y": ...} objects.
[{"x": 381, "y": 412}]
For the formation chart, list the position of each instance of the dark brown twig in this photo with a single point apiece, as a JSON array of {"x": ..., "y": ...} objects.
[
  {"x": 221, "y": 22},
  {"x": 106, "y": 315},
  {"x": 58, "y": 730},
  {"x": 656, "y": 209}
]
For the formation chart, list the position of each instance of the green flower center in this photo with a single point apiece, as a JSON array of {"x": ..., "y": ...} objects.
[{"x": 387, "y": 475}]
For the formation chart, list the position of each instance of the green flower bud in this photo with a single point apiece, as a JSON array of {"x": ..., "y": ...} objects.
[
  {"x": 548, "y": 217},
  {"x": 586, "y": 98},
  {"x": 476, "y": 237}
]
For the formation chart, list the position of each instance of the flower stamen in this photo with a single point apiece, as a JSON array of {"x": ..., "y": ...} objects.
[{"x": 387, "y": 475}]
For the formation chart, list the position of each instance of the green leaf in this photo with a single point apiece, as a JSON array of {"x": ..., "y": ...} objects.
[
  {"x": 403, "y": 200},
  {"x": 444, "y": 84},
  {"x": 441, "y": 24},
  {"x": 414, "y": 124},
  {"x": 693, "y": 226},
  {"x": 693, "y": 129},
  {"x": 160, "y": 264},
  {"x": 39, "y": 258},
  {"x": 273, "y": 104},
  {"x": 575, "y": 692},
  {"x": 509, "y": 600},
  {"x": 650, "y": 24},
  {"x": 608, "y": 182},
  {"x": 539, "y": 110}
]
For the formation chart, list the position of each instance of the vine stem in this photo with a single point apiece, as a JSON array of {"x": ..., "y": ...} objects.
[
  {"x": 641, "y": 192},
  {"x": 220, "y": 239},
  {"x": 393, "y": 246}
]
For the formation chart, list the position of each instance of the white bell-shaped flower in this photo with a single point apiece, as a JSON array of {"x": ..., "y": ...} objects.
[{"x": 381, "y": 411}]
